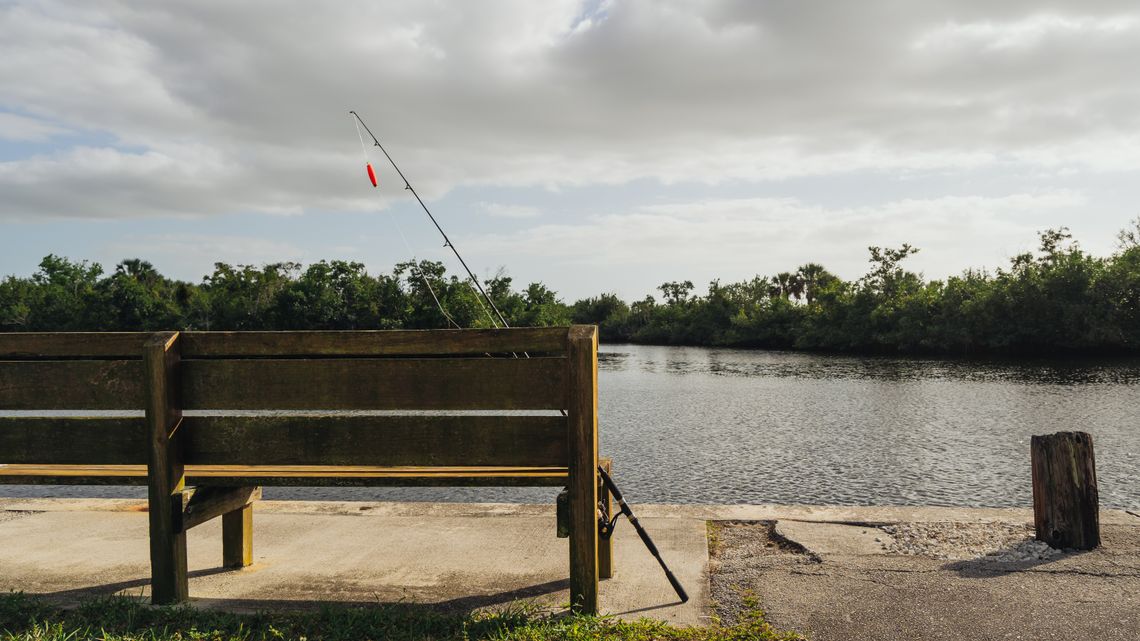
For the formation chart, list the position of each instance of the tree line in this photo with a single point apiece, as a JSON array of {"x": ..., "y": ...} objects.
[
  {"x": 1058, "y": 298},
  {"x": 66, "y": 295}
]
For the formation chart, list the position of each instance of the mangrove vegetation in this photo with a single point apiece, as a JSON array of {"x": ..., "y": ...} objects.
[{"x": 1057, "y": 298}]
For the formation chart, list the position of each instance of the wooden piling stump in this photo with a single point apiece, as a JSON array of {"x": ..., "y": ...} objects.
[{"x": 1065, "y": 500}]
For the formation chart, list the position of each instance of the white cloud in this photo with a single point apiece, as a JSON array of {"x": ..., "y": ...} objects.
[
  {"x": 196, "y": 253},
  {"x": 738, "y": 238},
  {"x": 25, "y": 129},
  {"x": 186, "y": 180},
  {"x": 215, "y": 109},
  {"x": 1027, "y": 32},
  {"x": 501, "y": 210}
]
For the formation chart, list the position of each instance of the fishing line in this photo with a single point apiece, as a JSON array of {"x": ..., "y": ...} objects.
[
  {"x": 357, "y": 122},
  {"x": 372, "y": 176},
  {"x": 363, "y": 147},
  {"x": 446, "y": 241},
  {"x": 416, "y": 271}
]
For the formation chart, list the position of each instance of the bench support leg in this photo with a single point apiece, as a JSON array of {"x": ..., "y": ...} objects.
[
  {"x": 582, "y": 420},
  {"x": 166, "y": 478},
  {"x": 168, "y": 580},
  {"x": 606, "y": 545},
  {"x": 583, "y": 555},
  {"x": 237, "y": 537}
]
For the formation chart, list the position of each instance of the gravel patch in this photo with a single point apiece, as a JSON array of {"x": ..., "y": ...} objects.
[
  {"x": 740, "y": 553},
  {"x": 999, "y": 542}
]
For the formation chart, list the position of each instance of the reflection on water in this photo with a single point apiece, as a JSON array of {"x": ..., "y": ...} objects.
[
  {"x": 696, "y": 425},
  {"x": 724, "y": 362},
  {"x": 738, "y": 426}
]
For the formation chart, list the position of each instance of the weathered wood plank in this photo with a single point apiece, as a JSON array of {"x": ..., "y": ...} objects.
[
  {"x": 54, "y": 345},
  {"x": 374, "y": 343},
  {"x": 73, "y": 440},
  {"x": 384, "y": 479},
  {"x": 73, "y": 474},
  {"x": 511, "y": 441},
  {"x": 411, "y": 384},
  {"x": 237, "y": 537},
  {"x": 67, "y": 385},
  {"x": 293, "y": 476},
  {"x": 582, "y": 416},
  {"x": 1066, "y": 504},
  {"x": 165, "y": 474},
  {"x": 211, "y": 502},
  {"x": 127, "y": 345}
]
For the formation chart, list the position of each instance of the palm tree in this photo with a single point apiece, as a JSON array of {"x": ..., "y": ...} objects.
[
  {"x": 813, "y": 276},
  {"x": 139, "y": 270},
  {"x": 791, "y": 285}
]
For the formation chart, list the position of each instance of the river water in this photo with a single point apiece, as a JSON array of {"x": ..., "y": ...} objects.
[{"x": 699, "y": 425}]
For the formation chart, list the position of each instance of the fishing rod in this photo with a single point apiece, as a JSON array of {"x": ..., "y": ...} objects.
[
  {"x": 446, "y": 241},
  {"x": 416, "y": 271},
  {"x": 606, "y": 530},
  {"x": 605, "y": 524}
]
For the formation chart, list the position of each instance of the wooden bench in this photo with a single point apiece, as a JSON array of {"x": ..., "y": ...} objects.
[{"x": 194, "y": 442}]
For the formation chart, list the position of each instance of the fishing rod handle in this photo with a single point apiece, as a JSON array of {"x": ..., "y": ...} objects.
[
  {"x": 684, "y": 596},
  {"x": 652, "y": 547},
  {"x": 643, "y": 534}
]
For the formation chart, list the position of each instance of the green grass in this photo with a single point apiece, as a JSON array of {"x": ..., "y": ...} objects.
[
  {"x": 123, "y": 619},
  {"x": 712, "y": 531}
]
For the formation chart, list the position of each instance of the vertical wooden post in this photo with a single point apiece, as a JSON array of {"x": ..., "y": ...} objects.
[
  {"x": 582, "y": 417},
  {"x": 606, "y": 546},
  {"x": 165, "y": 474},
  {"x": 1065, "y": 501},
  {"x": 237, "y": 537}
]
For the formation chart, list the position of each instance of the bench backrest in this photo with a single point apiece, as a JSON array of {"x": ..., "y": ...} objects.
[{"x": 513, "y": 378}]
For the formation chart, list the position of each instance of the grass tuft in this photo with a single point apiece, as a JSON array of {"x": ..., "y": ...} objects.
[
  {"x": 713, "y": 534},
  {"x": 25, "y": 618}
]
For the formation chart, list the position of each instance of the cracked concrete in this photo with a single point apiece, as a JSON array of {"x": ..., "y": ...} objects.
[
  {"x": 834, "y": 538},
  {"x": 830, "y": 583}
]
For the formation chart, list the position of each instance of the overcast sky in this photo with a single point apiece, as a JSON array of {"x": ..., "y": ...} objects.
[{"x": 593, "y": 146}]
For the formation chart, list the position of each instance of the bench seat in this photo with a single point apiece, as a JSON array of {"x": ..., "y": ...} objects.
[
  {"x": 225, "y": 413},
  {"x": 289, "y": 475}
]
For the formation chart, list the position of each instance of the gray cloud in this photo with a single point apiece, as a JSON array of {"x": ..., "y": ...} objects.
[{"x": 219, "y": 107}]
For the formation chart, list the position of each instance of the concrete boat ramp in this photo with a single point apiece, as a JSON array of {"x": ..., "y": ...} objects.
[
  {"x": 483, "y": 555},
  {"x": 451, "y": 554}
]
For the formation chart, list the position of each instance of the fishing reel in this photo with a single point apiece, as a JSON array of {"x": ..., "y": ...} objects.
[
  {"x": 606, "y": 522},
  {"x": 606, "y": 525}
]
